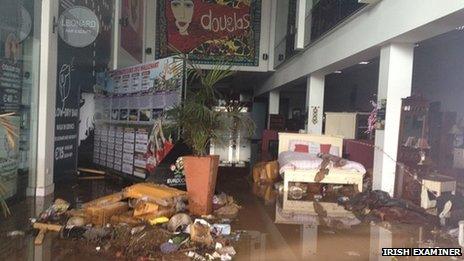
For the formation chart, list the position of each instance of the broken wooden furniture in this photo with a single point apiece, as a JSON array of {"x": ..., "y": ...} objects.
[
  {"x": 43, "y": 229},
  {"x": 148, "y": 201},
  {"x": 437, "y": 184},
  {"x": 335, "y": 175}
]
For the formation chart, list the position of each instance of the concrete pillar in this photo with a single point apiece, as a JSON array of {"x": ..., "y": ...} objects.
[
  {"x": 379, "y": 238},
  {"x": 273, "y": 106},
  {"x": 47, "y": 97},
  {"x": 315, "y": 102},
  {"x": 395, "y": 80}
]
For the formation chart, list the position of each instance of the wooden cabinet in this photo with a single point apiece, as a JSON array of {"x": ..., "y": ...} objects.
[
  {"x": 413, "y": 148},
  {"x": 350, "y": 125}
]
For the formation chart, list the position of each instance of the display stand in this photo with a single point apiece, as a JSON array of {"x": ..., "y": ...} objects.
[{"x": 130, "y": 140}]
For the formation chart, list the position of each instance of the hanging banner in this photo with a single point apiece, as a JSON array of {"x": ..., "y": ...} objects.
[{"x": 226, "y": 31}]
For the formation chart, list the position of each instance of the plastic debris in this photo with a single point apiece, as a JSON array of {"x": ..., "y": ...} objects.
[
  {"x": 195, "y": 256},
  {"x": 98, "y": 248},
  {"x": 167, "y": 248},
  {"x": 179, "y": 222},
  {"x": 221, "y": 229},
  {"x": 75, "y": 222},
  {"x": 136, "y": 230},
  {"x": 159, "y": 220},
  {"x": 200, "y": 232},
  {"x": 15, "y": 233}
]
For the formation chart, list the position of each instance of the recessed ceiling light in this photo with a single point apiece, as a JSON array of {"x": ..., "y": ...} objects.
[
  {"x": 460, "y": 28},
  {"x": 337, "y": 72},
  {"x": 364, "y": 63}
]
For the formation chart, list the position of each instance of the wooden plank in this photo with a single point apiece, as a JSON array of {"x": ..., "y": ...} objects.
[
  {"x": 51, "y": 227},
  {"x": 40, "y": 237},
  {"x": 113, "y": 198},
  {"x": 93, "y": 171}
]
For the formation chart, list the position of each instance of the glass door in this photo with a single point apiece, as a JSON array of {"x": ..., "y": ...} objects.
[{"x": 19, "y": 73}]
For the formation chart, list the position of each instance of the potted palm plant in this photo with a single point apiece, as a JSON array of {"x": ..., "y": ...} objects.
[
  {"x": 201, "y": 123},
  {"x": 11, "y": 134}
]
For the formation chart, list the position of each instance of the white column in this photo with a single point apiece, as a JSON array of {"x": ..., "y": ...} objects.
[
  {"x": 379, "y": 238},
  {"x": 315, "y": 102},
  {"x": 47, "y": 97},
  {"x": 395, "y": 80},
  {"x": 273, "y": 105}
]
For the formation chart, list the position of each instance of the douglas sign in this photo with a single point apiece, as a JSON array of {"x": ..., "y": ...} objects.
[{"x": 210, "y": 30}]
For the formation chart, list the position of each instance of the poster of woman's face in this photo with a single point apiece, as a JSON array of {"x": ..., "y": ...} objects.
[{"x": 183, "y": 12}]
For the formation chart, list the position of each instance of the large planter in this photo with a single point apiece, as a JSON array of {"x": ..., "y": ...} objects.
[{"x": 200, "y": 177}]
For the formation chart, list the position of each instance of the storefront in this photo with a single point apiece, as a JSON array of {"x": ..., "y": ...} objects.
[{"x": 19, "y": 52}]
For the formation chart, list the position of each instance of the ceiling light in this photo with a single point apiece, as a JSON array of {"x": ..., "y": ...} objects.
[
  {"x": 337, "y": 72},
  {"x": 460, "y": 28},
  {"x": 364, "y": 63}
]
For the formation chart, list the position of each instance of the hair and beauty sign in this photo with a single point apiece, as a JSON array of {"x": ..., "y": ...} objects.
[
  {"x": 210, "y": 30},
  {"x": 78, "y": 26}
]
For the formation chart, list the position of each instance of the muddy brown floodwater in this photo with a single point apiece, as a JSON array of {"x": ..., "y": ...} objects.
[{"x": 269, "y": 229}]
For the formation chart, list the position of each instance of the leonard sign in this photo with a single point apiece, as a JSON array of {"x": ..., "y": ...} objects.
[{"x": 78, "y": 26}]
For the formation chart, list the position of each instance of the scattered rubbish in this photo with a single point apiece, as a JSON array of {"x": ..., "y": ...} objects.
[
  {"x": 136, "y": 230},
  {"x": 43, "y": 229},
  {"x": 180, "y": 239},
  {"x": 221, "y": 229},
  {"x": 54, "y": 212},
  {"x": 15, "y": 233},
  {"x": 167, "y": 248},
  {"x": 159, "y": 220},
  {"x": 379, "y": 206},
  {"x": 73, "y": 232},
  {"x": 143, "y": 222},
  {"x": 195, "y": 256},
  {"x": 200, "y": 232},
  {"x": 179, "y": 222},
  {"x": 96, "y": 233},
  {"x": 75, "y": 222}
]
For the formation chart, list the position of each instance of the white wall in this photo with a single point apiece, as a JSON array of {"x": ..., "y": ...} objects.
[{"x": 361, "y": 37}]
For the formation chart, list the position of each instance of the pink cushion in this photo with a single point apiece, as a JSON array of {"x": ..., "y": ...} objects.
[
  {"x": 325, "y": 148},
  {"x": 301, "y": 148}
]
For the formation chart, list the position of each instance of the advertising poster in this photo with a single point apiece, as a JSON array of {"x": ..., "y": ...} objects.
[
  {"x": 130, "y": 112},
  {"x": 84, "y": 29},
  {"x": 210, "y": 31},
  {"x": 10, "y": 85},
  {"x": 132, "y": 28}
]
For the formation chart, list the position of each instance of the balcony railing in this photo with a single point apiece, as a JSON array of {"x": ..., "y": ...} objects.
[
  {"x": 320, "y": 19},
  {"x": 326, "y": 14}
]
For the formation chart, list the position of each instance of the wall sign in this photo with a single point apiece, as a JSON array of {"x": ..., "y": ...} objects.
[
  {"x": 78, "y": 26},
  {"x": 210, "y": 31},
  {"x": 77, "y": 71}
]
